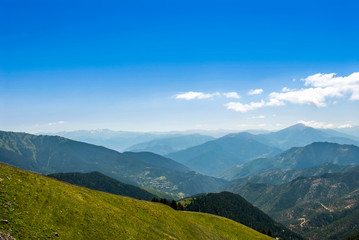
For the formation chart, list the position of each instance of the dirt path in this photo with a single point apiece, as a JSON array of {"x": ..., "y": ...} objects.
[
  {"x": 330, "y": 210},
  {"x": 303, "y": 221}
]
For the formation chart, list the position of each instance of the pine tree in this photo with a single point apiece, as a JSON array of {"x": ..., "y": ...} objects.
[{"x": 174, "y": 205}]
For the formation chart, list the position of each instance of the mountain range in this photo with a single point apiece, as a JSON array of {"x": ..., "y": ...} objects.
[
  {"x": 320, "y": 207},
  {"x": 277, "y": 176},
  {"x": 351, "y": 130},
  {"x": 214, "y": 156},
  {"x": 314, "y": 154},
  {"x": 116, "y": 140},
  {"x": 52, "y": 154},
  {"x": 300, "y": 135}
]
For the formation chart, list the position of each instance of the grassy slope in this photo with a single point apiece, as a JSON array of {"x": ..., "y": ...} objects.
[
  {"x": 38, "y": 207},
  {"x": 101, "y": 182}
]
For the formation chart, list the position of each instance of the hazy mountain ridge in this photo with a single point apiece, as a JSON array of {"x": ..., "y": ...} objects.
[
  {"x": 217, "y": 156},
  {"x": 353, "y": 131},
  {"x": 116, "y": 140},
  {"x": 51, "y": 154},
  {"x": 214, "y": 156},
  {"x": 300, "y": 135},
  {"x": 165, "y": 146},
  {"x": 314, "y": 154}
]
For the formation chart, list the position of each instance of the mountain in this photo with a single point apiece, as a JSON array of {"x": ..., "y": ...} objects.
[
  {"x": 277, "y": 176},
  {"x": 156, "y": 160},
  {"x": 37, "y": 207},
  {"x": 354, "y": 236},
  {"x": 320, "y": 207},
  {"x": 52, "y": 154},
  {"x": 165, "y": 146},
  {"x": 353, "y": 131},
  {"x": 300, "y": 135},
  {"x": 214, "y": 156},
  {"x": 164, "y": 143},
  {"x": 101, "y": 182},
  {"x": 117, "y": 140},
  {"x": 314, "y": 154},
  {"x": 235, "y": 207}
]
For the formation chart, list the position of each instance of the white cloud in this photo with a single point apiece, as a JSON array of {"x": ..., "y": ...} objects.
[
  {"x": 317, "y": 91},
  {"x": 315, "y": 124},
  {"x": 255, "y": 91},
  {"x": 345, "y": 126},
  {"x": 320, "y": 88},
  {"x": 231, "y": 95},
  {"x": 240, "y": 107},
  {"x": 196, "y": 95},
  {"x": 56, "y": 123},
  {"x": 254, "y": 126},
  {"x": 285, "y": 89},
  {"x": 257, "y": 117},
  {"x": 315, "y": 96},
  {"x": 342, "y": 85}
]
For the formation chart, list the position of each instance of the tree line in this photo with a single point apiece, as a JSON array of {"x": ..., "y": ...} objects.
[{"x": 173, "y": 204}]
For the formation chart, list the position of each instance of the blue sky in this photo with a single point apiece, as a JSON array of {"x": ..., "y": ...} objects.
[{"x": 169, "y": 65}]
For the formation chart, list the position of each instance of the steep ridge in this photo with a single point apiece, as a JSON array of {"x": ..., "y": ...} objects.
[
  {"x": 51, "y": 154},
  {"x": 234, "y": 207},
  {"x": 35, "y": 206},
  {"x": 277, "y": 176},
  {"x": 321, "y": 207}
]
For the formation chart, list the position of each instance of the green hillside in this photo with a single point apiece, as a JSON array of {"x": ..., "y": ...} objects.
[
  {"x": 234, "y": 207},
  {"x": 101, "y": 182},
  {"x": 38, "y": 207},
  {"x": 52, "y": 154},
  {"x": 321, "y": 207},
  {"x": 354, "y": 236}
]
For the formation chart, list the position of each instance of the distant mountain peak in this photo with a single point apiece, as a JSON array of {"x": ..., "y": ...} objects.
[{"x": 298, "y": 126}]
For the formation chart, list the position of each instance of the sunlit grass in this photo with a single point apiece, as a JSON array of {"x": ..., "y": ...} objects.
[{"x": 37, "y": 207}]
